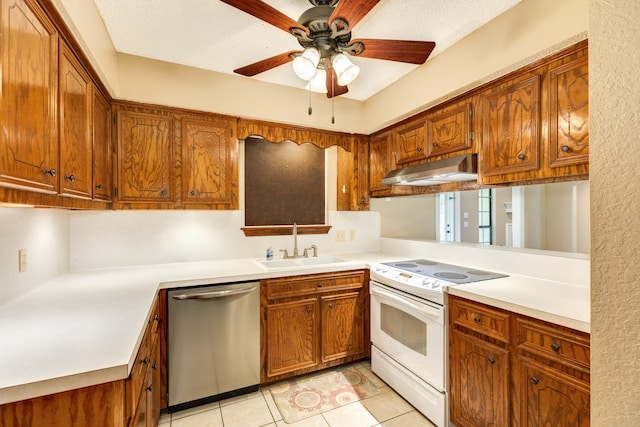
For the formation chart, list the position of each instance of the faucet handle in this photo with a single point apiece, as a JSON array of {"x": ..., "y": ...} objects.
[
  {"x": 286, "y": 253},
  {"x": 306, "y": 251},
  {"x": 315, "y": 250}
]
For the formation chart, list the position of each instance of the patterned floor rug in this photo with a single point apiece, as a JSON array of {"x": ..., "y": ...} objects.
[{"x": 313, "y": 394}]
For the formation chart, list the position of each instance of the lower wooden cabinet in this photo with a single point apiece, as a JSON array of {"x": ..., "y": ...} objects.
[
  {"x": 511, "y": 370},
  {"x": 132, "y": 402},
  {"x": 312, "y": 322}
]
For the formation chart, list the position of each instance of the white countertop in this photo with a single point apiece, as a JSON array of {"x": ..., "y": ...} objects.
[{"x": 85, "y": 328}]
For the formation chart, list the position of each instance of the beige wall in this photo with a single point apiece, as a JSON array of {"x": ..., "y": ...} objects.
[{"x": 614, "y": 109}]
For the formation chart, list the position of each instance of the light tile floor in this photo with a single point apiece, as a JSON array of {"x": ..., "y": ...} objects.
[{"x": 258, "y": 409}]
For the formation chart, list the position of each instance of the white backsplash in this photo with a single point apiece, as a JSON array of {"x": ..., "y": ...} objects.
[
  {"x": 107, "y": 239},
  {"x": 45, "y": 235}
]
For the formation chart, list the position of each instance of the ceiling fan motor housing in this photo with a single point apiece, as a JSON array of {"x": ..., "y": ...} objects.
[{"x": 326, "y": 39}]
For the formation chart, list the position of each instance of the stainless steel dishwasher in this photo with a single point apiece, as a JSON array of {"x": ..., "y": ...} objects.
[{"x": 213, "y": 343}]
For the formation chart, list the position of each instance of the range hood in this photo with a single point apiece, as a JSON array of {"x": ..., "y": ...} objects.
[{"x": 452, "y": 169}]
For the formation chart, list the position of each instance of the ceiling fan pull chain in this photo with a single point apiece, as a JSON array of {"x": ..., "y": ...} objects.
[
  {"x": 310, "y": 109},
  {"x": 333, "y": 98}
]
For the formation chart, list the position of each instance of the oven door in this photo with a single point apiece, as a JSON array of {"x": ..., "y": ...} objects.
[{"x": 410, "y": 330}]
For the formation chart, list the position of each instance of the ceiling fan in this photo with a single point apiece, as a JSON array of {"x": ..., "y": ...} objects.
[{"x": 324, "y": 31}]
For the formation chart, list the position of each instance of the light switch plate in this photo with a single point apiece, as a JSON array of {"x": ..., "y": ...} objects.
[{"x": 22, "y": 260}]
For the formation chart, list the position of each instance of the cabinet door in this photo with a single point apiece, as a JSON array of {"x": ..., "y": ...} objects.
[
  {"x": 292, "y": 336},
  {"x": 102, "y": 160},
  {"x": 76, "y": 159},
  {"x": 569, "y": 114},
  {"x": 145, "y": 157},
  {"x": 510, "y": 120},
  {"x": 479, "y": 382},
  {"x": 28, "y": 144},
  {"x": 353, "y": 179},
  {"x": 410, "y": 142},
  {"x": 209, "y": 153},
  {"x": 449, "y": 129},
  {"x": 551, "y": 397},
  {"x": 342, "y": 323},
  {"x": 379, "y": 161}
]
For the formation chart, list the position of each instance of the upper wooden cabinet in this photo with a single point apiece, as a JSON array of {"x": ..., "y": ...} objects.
[
  {"x": 410, "y": 142},
  {"x": 29, "y": 144},
  {"x": 449, "y": 128},
  {"x": 102, "y": 148},
  {"x": 536, "y": 123},
  {"x": 510, "y": 122},
  {"x": 569, "y": 113},
  {"x": 76, "y": 159},
  {"x": 353, "y": 178},
  {"x": 380, "y": 161},
  {"x": 146, "y": 170},
  {"x": 171, "y": 159},
  {"x": 209, "y": 162}
]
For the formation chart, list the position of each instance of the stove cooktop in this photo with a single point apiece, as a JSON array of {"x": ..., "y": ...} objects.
[{"x": 425, "y": 278}]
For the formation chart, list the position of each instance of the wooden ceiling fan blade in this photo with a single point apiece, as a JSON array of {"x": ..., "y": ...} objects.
[
  {"x": 264, "y": 65},
  {"x": 266, "y": 13},
  {"x": 333, "y": 88},
  {"x": 412, "y": 52},
  {"x": 352, "y": 11}
]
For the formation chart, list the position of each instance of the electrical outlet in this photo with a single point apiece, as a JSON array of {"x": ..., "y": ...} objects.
[
  {"x": 352, "y": 234},
  {"x": 22, "y": 260},
  {"x": 339, "y": 235}
]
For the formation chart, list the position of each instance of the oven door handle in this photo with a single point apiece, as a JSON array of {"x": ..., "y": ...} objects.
[{"x": 423, "y": 308}]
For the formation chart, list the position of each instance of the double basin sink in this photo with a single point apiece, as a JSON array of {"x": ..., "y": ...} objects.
[{"x": 300, "y": 262}]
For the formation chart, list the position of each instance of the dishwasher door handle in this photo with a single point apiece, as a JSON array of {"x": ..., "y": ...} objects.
[{"x": 215, "y": 294}]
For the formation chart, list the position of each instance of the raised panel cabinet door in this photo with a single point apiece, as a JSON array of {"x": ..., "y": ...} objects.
[
  {"x": 342, "y": 325},
  {"x": 569, "y": 114},
  {"x": 209, "y": 153},
  {"x": 292, "y": 336},
  {"x": 449, "y": 130},
  {"x": 410, "y": 142},
  {"x": 102, "y": 160},
  {"x": 479, "y": 374},
  {"x": 511, "y": 122},
  {"x": 76, "y": 157},
  {"x": 551, "y": 397},
  {"x": 379, "y": 161},
  {"x": 145, "y": 157},
  {"x": 28, "y": 144}
]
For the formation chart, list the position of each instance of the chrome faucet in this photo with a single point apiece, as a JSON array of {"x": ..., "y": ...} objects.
[{"x": 305, "y": 253}]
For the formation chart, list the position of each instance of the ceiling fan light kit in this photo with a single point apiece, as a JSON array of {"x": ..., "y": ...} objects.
[
  {"x": 318, "y": 83},
  {"x": 345, "y": 69}
]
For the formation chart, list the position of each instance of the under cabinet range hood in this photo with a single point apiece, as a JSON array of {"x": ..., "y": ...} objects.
[{"x": 453, "y": 169}]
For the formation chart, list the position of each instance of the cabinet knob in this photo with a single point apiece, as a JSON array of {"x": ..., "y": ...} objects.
[
  {"x": 163, "y": 193},
  {"x": 51, "y": 172},
  {"x": 192, "y": 193},
  {"x": 521, "y": 156},
  {"x": 492, "y": 361},
  {"x": 319, "y": 285},
  {"x": 156, "y": 318},
  {"x": 435, "y": 144},
  {"x": 70, "y": 178},
  {"x": 154, "y": 366},
  {"x": 330, "y": 305},
  {"x": 99, "y": 186},
  {"x": 534, "y": 380},
  {"x": 308, "y": 309},
  {"x": 150, "y": 387},
  {"x": 419, "y": 149},
  {"x": 555, "y": 347},
  {"x": 477, "y": 319},
  {"x": 565, "y": 148},
  {"x": 145, "y": 361}
]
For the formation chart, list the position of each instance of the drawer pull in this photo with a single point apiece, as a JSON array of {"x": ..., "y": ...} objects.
[
  {"x": 477, "y": 319},
  {"x": 145, "y": 361},
  {"x": 492, "y": 361},
  {"x": 534, "y": 380},
  {"x": 555, "y": 347}
]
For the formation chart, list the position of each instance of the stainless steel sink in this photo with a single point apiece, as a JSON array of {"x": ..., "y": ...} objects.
[{"x": 301, "y": 262}]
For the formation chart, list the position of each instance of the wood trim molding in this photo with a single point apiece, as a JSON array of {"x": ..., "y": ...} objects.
[{"x": 284, "y": 230}]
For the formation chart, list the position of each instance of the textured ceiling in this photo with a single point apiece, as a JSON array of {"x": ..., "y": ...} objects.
[{"x": 212, "y": 35}]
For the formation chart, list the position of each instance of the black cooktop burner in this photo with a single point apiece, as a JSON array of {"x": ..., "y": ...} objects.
[{"x": 447, "y": 272}]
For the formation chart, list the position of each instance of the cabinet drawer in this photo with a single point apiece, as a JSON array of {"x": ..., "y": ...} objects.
[
  {"x": 480, "y": 318},
  {"x": 145, "y": 358},
  {"x": 571, "y": 348},
  {"x": 311, "y": 284}
]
